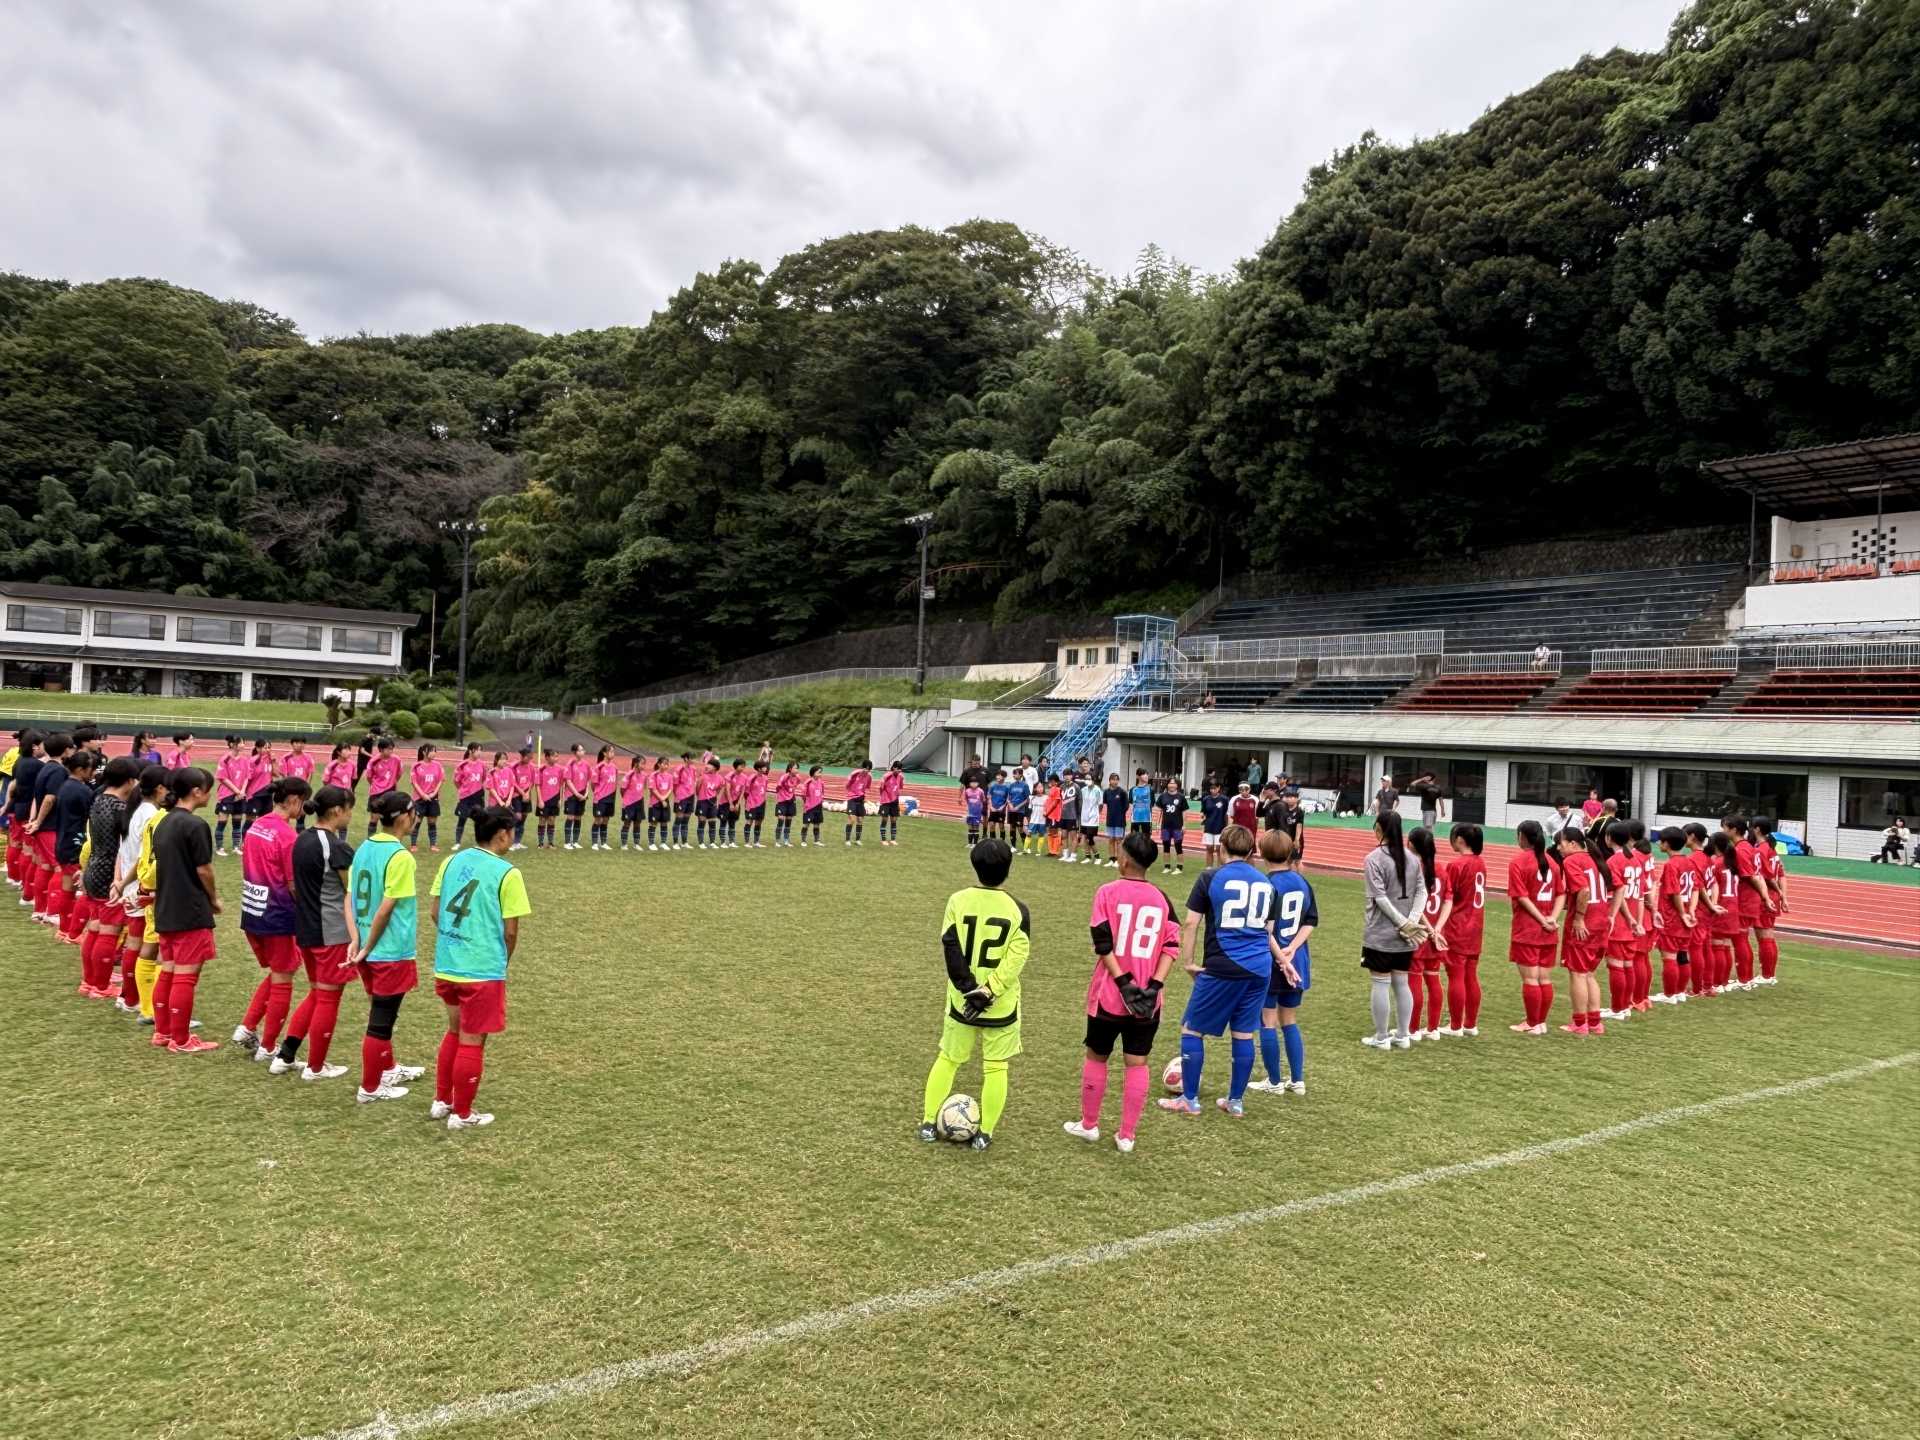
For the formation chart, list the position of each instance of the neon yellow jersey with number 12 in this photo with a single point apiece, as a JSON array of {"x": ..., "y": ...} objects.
[
  {"x": 478, "y": 892},
  {"x": 986, "y": 935}
]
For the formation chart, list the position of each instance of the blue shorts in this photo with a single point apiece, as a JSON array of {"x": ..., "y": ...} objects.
[
  {"x": 1283, "y": 996},
  {"x": 1218, "y": 1005},
  {"x": 1167, "y": 838},
  {"x": 1116, "y": 832}
]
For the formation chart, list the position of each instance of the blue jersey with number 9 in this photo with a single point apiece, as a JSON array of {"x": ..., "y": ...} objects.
[{"x": 1237, "y": 901}]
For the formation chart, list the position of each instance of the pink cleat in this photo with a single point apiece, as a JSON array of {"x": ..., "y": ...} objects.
[
  {"x": 1179, "y": 1106},
  {"x": 1573, "y": 1030}
]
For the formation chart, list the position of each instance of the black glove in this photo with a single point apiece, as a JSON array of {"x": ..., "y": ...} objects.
[{"x": 977, "y": 1002}]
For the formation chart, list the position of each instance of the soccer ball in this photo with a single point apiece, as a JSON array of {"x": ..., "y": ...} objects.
[
  {"x": 958, "y": 1120},
  {"x": 1171, "y": 1077}
]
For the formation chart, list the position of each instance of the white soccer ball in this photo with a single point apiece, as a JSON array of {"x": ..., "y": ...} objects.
[
  {"x": 958, "y": 1120},
  {"x": 1172, "y": 1077}
]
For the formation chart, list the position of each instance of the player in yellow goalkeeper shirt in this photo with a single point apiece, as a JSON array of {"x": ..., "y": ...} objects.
[{"x": 986, "y": 934}]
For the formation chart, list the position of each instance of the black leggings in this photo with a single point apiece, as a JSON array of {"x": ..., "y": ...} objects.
[{"x": 382, "y": 1011}]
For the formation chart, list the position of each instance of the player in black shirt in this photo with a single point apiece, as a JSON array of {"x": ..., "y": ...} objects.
[
  {"x": 72, "y": 803},
  {"x": 185, "y": 903},
  {"x": 43, "y": 884},
  {"x": 26, "y": 767}
]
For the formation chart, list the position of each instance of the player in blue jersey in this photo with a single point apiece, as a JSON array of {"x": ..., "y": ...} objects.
[
  {"x": 1230, "y": 984},
  {"x": 997, "y": 806},
  {"x": 1141, "y": 818},
  {"x": 1213, "y": 820},
  {"x": 1019, "y": 808},
  {"x": 1295, "y": 914}
]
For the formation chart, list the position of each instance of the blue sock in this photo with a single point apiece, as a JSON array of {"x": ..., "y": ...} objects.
[
  {"x": 219, "y": 834},
  {"x": 1270, "y": 1052},
  {"x": 1242, "y": 1066},
  {"x": 1193, "y": 1055},
  {"x": 1296, "y": 1051}
]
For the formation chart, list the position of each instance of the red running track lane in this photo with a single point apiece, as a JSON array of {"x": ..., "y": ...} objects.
[{"x": 1856, "y": 910}]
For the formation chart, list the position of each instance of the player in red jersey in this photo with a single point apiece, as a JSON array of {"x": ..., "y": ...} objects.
[
  {"x": 1466, "y": 925},
  {"x": 1754, "y": 895},
  {"x": 1537, "y": 892},
  {"x": 1429, "y": 956},
  {"x": 1701, "y": 974},
  {"x": 1774, "y": 872},
  {"x": 1628, "y": 970},
  {"x": 1726, "y": 919},
  {"x": 1679, "y": 890},
  {"x": 1588, "y": 925}
]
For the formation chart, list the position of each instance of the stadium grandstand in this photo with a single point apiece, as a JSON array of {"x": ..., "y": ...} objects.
[{"x": 1789, "y": 684}]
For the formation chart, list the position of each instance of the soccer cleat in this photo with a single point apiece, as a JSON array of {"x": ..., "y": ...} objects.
[
  {"x": 1267, "y": 1087},
  {"x": 1081, "y": 1132},
  {"x": 469, "y": 1122},
  {"x": 123, "y": 1008},
  {"x": 1574, "y": 1030},
  {"x": 1433, "y": 1034},
  {"x": 1235, "y": 1108},
  {"x": 928, "y": 1134},
  {"x": 1452, "y": 1032},
  {"x": 439, "y": 1110},
  {"x": 244, "y": 1039},
  {"x": 1539, "y": 1029},
  {"x": 1377, "y": 1042},
  {"x": 1642, "y": 1007},
  {"x": 262, "y": 1054},
  {"x": 161, "y": 1040},
  {"x": 325, "y": 1072},
  {"x": 221, "y": 852},
  {"x": 1471, "y": 1032},
  {"x": 277, "y": 1066},
  {"x": 1178, "y": 1105},
  {"x": 1401, "y": 1042},
  {"x": 1597, "y": 1028},
  {"x": 402, "y": 1074},
  {"x": 385, "y": 1092},
  {"x": 454, "y": 846},
  {"x": 1521, "y": 1028},
  {"x": 652, "y": 848},
  {"x": 1297, "y": 1087},
  {"x": 1123, "y": 1144},
  {"x": 193, "y": 1046},
  {"x": 980, "y": 1141}
]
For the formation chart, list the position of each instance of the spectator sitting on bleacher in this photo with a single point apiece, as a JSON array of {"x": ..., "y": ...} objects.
[
  {"x": 1541, "y": 655},
  {"x": 1893, "y": 843}
]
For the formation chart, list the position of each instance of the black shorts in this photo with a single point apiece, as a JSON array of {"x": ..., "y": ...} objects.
[
  {"x": 784, "y": 809},
  {"x": 758, "y": 814},
  {"x": 813, "y": 815},
  {"x": 704, "y": 809},
  {"x": 1135, "y": 1036},
  {"x": 998, "y": 815},
  {"x": 1385, "y": 962},
  {"x": 1018, "y": 814},
  {"x": 857, "y": 805},
  {"x": 428, "y": 808},
  {"x": 603, "y": 809},
  {"x": 1143, "y": 827},
  {"x": 657, "y": 812},
  {"x": 726, "y": 813},
  {"x": 630, "y": 812},
  {"x": 520, "y": 807},
  {"x": 232, "y": 805},
  {"x": 575, "y": 805},
  {"x": 1089, "y": 832},
  {"x": 260, "y": 802},
  {"x": 683, "y": 806},
  {"x": 890, "y": 809},
  {"x": 550, "y": 808},
  {"x": 468, "y": 804}
]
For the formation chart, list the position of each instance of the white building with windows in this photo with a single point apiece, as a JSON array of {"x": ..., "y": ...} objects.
[{"x": 119, "y": 642}]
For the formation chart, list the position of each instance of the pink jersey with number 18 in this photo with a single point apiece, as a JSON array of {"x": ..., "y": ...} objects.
[{"x": 1134, "y": 921}]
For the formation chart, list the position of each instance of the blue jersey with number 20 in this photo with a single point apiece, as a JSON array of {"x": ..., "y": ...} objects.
[{"x": 1237, "y": 901}]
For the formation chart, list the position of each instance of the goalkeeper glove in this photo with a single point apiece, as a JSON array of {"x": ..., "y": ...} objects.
[{"x": 976, "y": 1002}]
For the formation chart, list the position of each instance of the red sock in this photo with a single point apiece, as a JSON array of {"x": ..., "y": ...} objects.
[
  {"x": 257, "y": 1006},
  {"x": 302, "y": 1019},
  {"x": 1743, "y": 954},
  {"x": 1723, "y": 965},
  {"x": 1530, "y": 1002},
  {"x": 1546, "y": 1001},
  {"x": 1417, "y": 984},
  {"x": 443, "y": 1067},
  {"x": 279, "y": 997},
  {"x": 1769, "y": 956},
  {"x": 1457, "y": 997},
  {"x": 1433, "y": 999},
  {"x": 180, "y": 1004},
  {"x": 163, "y": 1003},
  {"x": 326, "y": 1013},
  {"x": 468, "y": 1061},
  {"x": 1619, "y": 982},
  {"x": 373, "y": 1062},
  {"x": 1642, "y": 978},
  {"x": 1472, "y": 969},
  {"x": 130, "y": 975}
]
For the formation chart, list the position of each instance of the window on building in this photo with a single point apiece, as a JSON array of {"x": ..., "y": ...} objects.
[
  {"x": 1073, "y": 657},
  {"x": 123, "y": 680},
  {"x": 129, "y": 625},
  {"x": 1113, "y": 654},
  {"x": 361, "y": 640},
  {"x": 1867, "y": 802},
  {"x": 1008, "y": 752},
  {"x": 1711, "y": 794},
  {"x": 279, "y": 635},
  {"x": 1325, "y": 769},
  {"x": 196, "y": 631},
  {"x": 36, "y": 675},
  {"x": 44, "y": 619},
  {"x": 206, "y": 684},
  {"x": 1532, "y": 783},
  {"x": 285, "y": 687}
]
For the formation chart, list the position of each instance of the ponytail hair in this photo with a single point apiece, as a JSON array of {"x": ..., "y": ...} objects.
[
  {"x": 290, "y": 787},
  {"x": 1420, "y": 841},
  {"x": 1533, "y": 836},
  {"x": 328, "y": 798},
  {"x": 1598, "y": 846},
  {"x": 1390, "y": 838},
  {"x": 390, "y": 807}
]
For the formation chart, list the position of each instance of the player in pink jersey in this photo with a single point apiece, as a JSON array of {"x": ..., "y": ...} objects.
[
  {"x": 706, "y": 806},
  {"x": 523, "y": 797},
  {"x": 685, "y": 782},
  {"x": 339, "y": 769},
  {"x": 786, "y": 795},
  {"x": 499, "y": 784},
  {"x": 633, "y": 802},
  {"x": 230, "y": 779},
  {"x": 732, "y": 797},
  {"x": 549, "y": 786},
  {"x": 383, "y": 777},
  {"x": 603, "y": 787},
  {"x": 297, "y": 764},
  {"x": 469, "y": 790},
  {"x": 753, "y": 804},
  {"x": 180, "y": 757},
  {"x": 425, "y": 776},
  {"x": 259, "y": 782},
  {"x": 659, "y": 799},
  {"x": 1135, "y": 942},
  {"x": 813, "y": 804},
  {"x": 858, "y": 784},
  {"x": 891, "y": 784}
]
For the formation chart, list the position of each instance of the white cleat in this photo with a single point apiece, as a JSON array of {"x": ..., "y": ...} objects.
[
  {"x": 1376, "y": 1042},
  {"x": 1402, "y": 1042},
  {"x": 325, "y": 1072},
  {"x": 1452, "y": 1032},
  {"x": 402, "y": 1074},
  {"x": 1123, "y": 1145},
  {"x": 471, "y": 1122},
  {"x": 263, "y": 1054},
  {"x": 1081, "y": 1132},
  {"x": 1267, "y": 1087},
  {"x": 1471, "y": 1032},
  {"x": 439, "y": 1110},
  {"x": 1296, "y": 1087},
  {"x": 385, "y": 1092},
  {"x": 244, "y": 1039},
  {"x": 277, "y": 1066}
]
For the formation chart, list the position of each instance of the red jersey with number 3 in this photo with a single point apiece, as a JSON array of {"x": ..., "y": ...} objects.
[
  {"x": 1467, "y": 883},
  {"x": 1437, "y": 894},
  {"x": 1625, "y": 872},
  {"x": 1524, "y": 878}
]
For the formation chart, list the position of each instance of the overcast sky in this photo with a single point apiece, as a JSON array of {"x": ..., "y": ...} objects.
[{"x": 570, "y": 163}]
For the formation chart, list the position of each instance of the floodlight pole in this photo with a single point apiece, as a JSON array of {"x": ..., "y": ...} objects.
[
  {"x": 921, "y": 523},
  {"x": 466, "y": 530}
]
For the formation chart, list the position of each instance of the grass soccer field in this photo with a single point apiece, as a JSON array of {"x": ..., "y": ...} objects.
[{"x": 703, "y": 1211}]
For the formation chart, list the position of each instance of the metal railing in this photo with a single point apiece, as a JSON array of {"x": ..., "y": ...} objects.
[
  {"x": 1653, "y": 659},
  {"x": 1365, "y": 645},
  {"x": 1845, "y": 655},
  {"x": 511, "y": 712},
  {"x": 1217, "y": 671},
  {"x": 1502, "y": 662},
  {"x": 911, "y": 738},
  {"x": 652, "y": 704}
]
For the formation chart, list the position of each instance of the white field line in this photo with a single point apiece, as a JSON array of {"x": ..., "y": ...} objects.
[{"x": 505, "y": 1403}]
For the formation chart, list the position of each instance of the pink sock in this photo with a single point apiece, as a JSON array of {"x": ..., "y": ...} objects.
[
  {"x": 1093, "y": 1089},
  {"x": 1133, "y": 1099}
]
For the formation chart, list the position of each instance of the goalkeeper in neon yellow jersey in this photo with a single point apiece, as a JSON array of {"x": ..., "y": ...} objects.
[{"x": 986, "y": 934}]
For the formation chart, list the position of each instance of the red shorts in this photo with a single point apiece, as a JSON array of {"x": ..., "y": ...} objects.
[
  {"x": 185, "y": 947},
  {"x": 43, "y": 845},
  {"x": 1531, "y": 952},
  {"x": 136, "y": 927},
  {"x": 1766, "y": 917},
  {"x": 1727, "y": 925},
  {"x": 389, "y": 977},
  {"x": 483, "y": 1003},
  {"x": 1582, "y": 957},
  {"x": 1699, "y": 941},
  {"x": 1457, "y": 958},
  {"x": 327, "y": 964},
  {"x": 275, "y": 952},
  {"x": 1426, "y": 961},
  {"x": 67, "y": 872}
]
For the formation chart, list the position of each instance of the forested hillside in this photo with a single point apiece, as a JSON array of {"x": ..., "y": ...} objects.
[{"x": 1539, "y": 324}]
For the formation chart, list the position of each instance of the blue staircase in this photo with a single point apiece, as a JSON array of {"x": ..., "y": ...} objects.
[{"x": 1086, "y": 726}]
